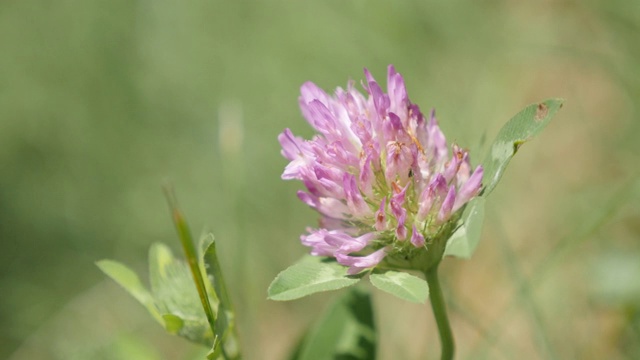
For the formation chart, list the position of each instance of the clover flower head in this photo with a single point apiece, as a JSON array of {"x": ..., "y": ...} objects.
[{"x": 379, "y": 172}]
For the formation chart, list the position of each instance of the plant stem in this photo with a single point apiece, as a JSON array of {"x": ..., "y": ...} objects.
[
  {"x": 190, "y": 252},
  {"x": 440, "y": 313}
]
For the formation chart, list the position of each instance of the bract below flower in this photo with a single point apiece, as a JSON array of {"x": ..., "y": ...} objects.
[{"x": 379, "y": 173}]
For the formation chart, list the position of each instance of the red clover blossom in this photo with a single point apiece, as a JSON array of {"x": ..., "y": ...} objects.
[{"x": 379, "y": 173}]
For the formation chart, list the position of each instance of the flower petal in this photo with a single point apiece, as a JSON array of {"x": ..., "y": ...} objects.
[
  {"x": 358, "y": 263},
  {"x": 417, "y": 239},
  {"x": 358, "y": 207},
  {"x": 400, "y": 160},
  {"x": 447, "y": 205},
  {"x": 347, "y": 244},
  {"x": 470, "y": 189},
  {"x": 397, "y": 92},
  {"x": 431, "y": 197},
  {"x": 296, "y": 150}
]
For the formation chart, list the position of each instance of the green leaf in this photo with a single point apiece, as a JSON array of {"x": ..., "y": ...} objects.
[
  {"x": 176, "y": 296},
  {"x": 214, "y": 353},
  {"x": 346, "y": 330},
  {"x": 128, "y": 279},
  {"x": 520, "y": 129},
  {"x": 401, "y": 284},
  {"x": 172, "y": 323},
  {"x": 310, "y": 275},
  {"x": 464, "y": 240},
  {"x": 224, "y": 328},
  {"x": 211, "y": 267}
]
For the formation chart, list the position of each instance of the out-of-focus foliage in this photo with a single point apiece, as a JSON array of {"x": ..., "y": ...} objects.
[
  {"x": 102, "y": 101},
  {"x": 346, "y": 330},
  {"x": 197, "y": 310},
  {"x": 173, "y": 300}
]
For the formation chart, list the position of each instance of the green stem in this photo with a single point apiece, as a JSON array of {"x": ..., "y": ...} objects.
[
  {"x": 190, "y": 252},
  {"x": 440, "y": 313}
]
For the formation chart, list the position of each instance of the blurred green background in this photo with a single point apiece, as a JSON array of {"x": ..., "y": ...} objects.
[{"x": 103, "y": 101}]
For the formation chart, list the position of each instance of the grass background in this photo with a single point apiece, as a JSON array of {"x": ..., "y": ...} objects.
[{"x": 102, "y": 101}]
